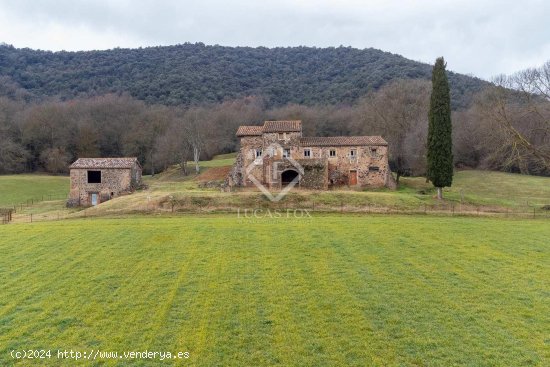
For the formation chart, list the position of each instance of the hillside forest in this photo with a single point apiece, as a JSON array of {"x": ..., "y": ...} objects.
[{"x": 503, "y": 125}]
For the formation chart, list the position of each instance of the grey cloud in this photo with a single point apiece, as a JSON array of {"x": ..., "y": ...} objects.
[{"x": 483, "y": 38}]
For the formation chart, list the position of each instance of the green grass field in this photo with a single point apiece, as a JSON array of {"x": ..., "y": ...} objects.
[
  {"x": 471, "y": 189},
  {"x": 491, "y": 188},
  {"x": 16, "y": 189},
  {"x": 472, "y": 192},
  {"x": 324, "y": 291}
]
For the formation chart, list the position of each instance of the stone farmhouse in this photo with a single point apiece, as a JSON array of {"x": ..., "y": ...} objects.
[
  {"x": 95, "y": 180},
  {"x": 276, "y": 155}
]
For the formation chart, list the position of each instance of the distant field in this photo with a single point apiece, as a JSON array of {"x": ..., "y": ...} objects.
[
  {"x": 15, "y": 189},
  {"x": 324, "y": 291},
  {"x": 471, "y": 187},
  {"x": 492, "y": 188},
  {"x": 225, "y": 156},
  {"x": 472, "y": 192}
]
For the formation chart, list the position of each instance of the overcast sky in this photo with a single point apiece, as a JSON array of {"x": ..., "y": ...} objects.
[{"x": 483, "y": 38}]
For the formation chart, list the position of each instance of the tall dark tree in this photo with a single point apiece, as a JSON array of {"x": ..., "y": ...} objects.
[{"x": 440, "y": 143}]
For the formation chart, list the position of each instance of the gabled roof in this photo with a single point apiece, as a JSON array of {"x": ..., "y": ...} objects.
[
  {"x": 296, "y": 126},
  {"x": 249, "y": 130},
  {"x": 270, "y": 127},
  {"x": 332, "y": 141},
  {"x": 128, "y": 162},
  {"x": 282, "y": 126}
]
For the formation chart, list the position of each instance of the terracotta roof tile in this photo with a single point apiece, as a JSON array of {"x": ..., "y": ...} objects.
[
  {"x": 249, "y": 130},
  {"x": 105, "y": 162},
  {"x": 282, "y": 126},
  {"x": 332, "y": 141}
]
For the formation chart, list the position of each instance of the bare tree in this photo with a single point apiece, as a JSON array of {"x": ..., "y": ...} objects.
[
  {"x": 399, "y": 112},
  {"x": 55, "y": 160},
  {"x": 12, "y": 156},
  {"x": 520, "y": 105},
  {"x": 194, "y": 126},
  {"x": 174, "y": 147}
]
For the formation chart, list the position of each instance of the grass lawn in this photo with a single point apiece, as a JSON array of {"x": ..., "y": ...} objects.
[
  {"x": 324, "y": 291},
  {"x": 16, "y": 189},
  {"x": 490, "y": 188}
]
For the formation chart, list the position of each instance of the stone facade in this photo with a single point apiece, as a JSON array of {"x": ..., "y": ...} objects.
[
  {"x": 276, "y": 152},
  {"x": 95, "y": 180}
]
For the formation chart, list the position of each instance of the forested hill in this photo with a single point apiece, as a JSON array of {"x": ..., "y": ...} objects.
[{"x": 194, "y": 73}]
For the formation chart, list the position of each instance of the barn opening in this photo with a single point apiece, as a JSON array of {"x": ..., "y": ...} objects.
[
  {"x": 288, "y": 176},
  {"x": 94, "y": 176}
]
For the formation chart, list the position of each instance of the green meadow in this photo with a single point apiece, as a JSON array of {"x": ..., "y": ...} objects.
[
  {"x": 16, "y": 189},
  {"x": 322, "y": 291}
]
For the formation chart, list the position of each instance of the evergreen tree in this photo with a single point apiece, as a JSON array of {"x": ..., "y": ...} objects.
[{"x": 440, "y": 145}]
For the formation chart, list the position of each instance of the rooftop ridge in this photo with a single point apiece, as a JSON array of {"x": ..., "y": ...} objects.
[
  {"x": 108, "y": 162},
  {"x": 342, "y": 140}
]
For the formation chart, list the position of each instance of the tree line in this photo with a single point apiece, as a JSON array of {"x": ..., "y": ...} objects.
[
  {"x": 190, "y": 74},
  {"x": 506, "y": 126}
]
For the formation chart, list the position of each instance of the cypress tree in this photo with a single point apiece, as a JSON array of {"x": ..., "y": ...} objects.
[{"x": 440, "y": 145}]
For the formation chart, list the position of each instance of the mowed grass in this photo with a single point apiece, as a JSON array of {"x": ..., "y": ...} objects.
[
  {"x": 16, "y": 189},
  {"x": 322, "y": 291},
  {"x": 490, "y": 188}
]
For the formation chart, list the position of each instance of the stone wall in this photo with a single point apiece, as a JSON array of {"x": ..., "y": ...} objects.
[
  {"x": 114, "y": 181},
  {"x": 315, "y": 175},
  {"x": 365, "y": 160},
  {"x": 248, "y": 160},
  {"x": 370, "y": 163}
]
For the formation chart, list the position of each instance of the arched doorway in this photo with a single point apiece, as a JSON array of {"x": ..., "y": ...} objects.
[{"x": 288, "y": 176}]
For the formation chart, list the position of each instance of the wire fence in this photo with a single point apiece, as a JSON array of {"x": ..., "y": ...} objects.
[
  {"x": 35, "y": 200},
  {"x": 41, "y": 217},
  {"x": 259, "y": 207},
  {"x": 15, "y": 211},
  {"x": 288, "y": 211},
  {"x": 6, "y": 215}
]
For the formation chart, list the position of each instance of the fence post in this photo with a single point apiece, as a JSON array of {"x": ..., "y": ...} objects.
[
  {"x": 31, "y": 217},
  {"x": 453, "y": 209},
  {"x": 534, "y": 212}
]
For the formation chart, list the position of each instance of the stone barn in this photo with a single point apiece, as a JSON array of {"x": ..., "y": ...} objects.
[
  {"x": 276, "y": 154},
  {"x": 95, "y": 180}
]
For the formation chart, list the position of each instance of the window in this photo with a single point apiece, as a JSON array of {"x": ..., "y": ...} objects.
[
  {"x": 373, "y": 151},
  {"x": 353, "y": 153},
  {"x": 307, "y": 153},
  {"x": 332, "y": 153},
  {"x": 258, "y": 153},
  {"x": 282, "y": 136},
  {"x": 286, "y": 153},
  {"x": 374, "y": 169},
  {"x": 94, "y": 176}
]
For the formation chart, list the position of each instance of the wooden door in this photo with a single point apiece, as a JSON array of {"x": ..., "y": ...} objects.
[
  {"x": 94, "y": 198},
  {"x": 353, "y": 178}
]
